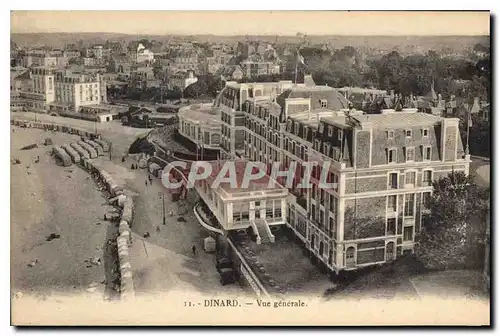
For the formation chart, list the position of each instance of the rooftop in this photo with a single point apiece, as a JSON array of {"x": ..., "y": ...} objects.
[
  {"x": 204, "y": 113},
  {"x": 395, "y": 119},
  {"x": 317, "y": 94},
  {"x": 261, "y": 185}
]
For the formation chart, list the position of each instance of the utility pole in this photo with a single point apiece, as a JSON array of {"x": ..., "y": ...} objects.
[
  {"x": 161, "y": 195},
  {"x": 469, "y": 122}
]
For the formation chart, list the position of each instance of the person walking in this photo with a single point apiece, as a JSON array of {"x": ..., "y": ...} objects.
[{"x": 193, "y": 248}]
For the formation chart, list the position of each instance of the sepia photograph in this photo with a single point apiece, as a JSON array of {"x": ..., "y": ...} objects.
[{"x": 250, "y": 168}]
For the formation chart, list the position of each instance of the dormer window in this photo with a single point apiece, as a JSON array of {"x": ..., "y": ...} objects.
[
  {"x": 339, "y": 135},
  {"x": 321, "y": 128},
  {"x": 390, "y": 134},
  {"x": 408, "y": 133},
  {"x": 324, "y": 103},
  {"x": 316, "y": 144},
  {"x": 305, "y": 132},
  {"x": 425, "y": 132},
  {"x": 330, "y": 131}
]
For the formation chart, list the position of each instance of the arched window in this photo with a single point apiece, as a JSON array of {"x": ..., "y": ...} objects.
[{"x": 350, "y": 257}]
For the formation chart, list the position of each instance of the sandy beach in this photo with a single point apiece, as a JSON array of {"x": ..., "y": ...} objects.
[{"x": 50, "y": 199}]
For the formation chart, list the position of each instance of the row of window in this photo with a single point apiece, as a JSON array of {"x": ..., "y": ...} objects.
[
  {"x": 410, "y": 179},
  {"x": 409, "y": 152},
  {"x": 295, "y": 148},
  {"x": 409, "y": 204},
  {"x": 424, "y": 132},
  {"x": 293, "y": 127},
  {"x": 331, "y": 131}
]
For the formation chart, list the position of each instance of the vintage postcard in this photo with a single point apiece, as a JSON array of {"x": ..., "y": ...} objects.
[{"x": 250, "y": 168}]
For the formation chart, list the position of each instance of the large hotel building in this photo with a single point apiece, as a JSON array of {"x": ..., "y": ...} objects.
[{"x": 381, "y": 165}]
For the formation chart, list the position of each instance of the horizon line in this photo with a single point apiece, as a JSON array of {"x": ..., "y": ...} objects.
[{"x": 248, "y": 34}]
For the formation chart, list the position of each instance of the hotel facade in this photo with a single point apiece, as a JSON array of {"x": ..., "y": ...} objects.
[{"x": 381, "y": 165}]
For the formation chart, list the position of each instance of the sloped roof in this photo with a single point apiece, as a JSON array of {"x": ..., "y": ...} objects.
[
  {"x": 432, "y": 93},
  {"x": 335, "y": 101},
  {"x": 20, "y": 75},
  {"x": 396, "y": 119}
]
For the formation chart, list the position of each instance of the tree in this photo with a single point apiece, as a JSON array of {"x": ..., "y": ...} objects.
[
  {"x": 175, "y": 93},
  {"x": 478, "y": 47},
  {"x": 456, "y": 225},
  {"x": 196, "y": 90},
  {"x": 358, "y": 226},
  {"x": 214, "y": 85}
]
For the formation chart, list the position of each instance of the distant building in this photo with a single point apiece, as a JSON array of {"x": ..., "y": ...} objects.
[
  {"x": 73, "y": 90},
  {"x": 182, "y": 80},
  {"x": 216, "y": 62},
  {"x": 183, "y": 61},
  {"x": 255, "y": 66},
  {"x": 143, "y": 54},
  {"x": 97, "y": 51},
  {"x": 21, "y": 83},
  {"x": 39, "y": 59},
  {"x": 115, "y": 48},
  {"x": 72, "y": 54},
  {"x": 89, "y": 61},
  {"x": 120, "y": 64},
  {"x": 34, "y": 89},
  {"x": 230, "y": 73}
]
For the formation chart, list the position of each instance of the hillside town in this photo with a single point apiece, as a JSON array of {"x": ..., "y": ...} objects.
[{"x": 405, "y": 131}]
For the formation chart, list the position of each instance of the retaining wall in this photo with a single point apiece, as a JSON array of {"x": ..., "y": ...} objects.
[{"x": 124, "y": 233}]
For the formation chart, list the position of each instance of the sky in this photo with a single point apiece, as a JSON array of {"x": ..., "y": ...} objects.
[{"x": 253, "y": 22}]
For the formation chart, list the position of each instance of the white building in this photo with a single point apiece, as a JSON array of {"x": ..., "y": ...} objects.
[
  {"x": 143, "y": 54},
  {"x": 43, "y": 92},
  {"x": 182, "y": 80},
  {"x": 260, "y": 205},
  {"x": 75, "y": 90}
]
